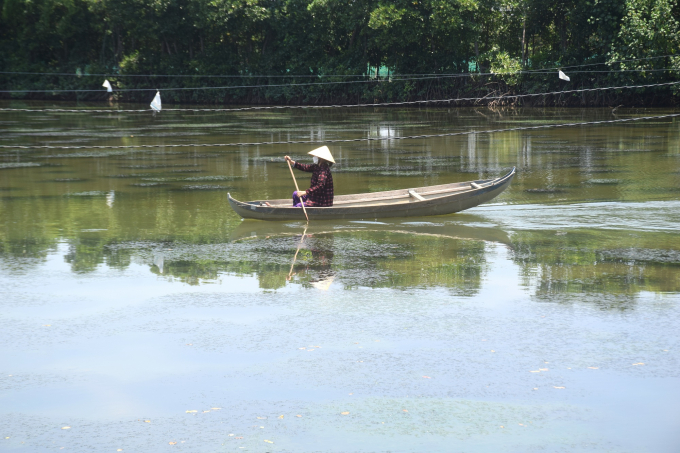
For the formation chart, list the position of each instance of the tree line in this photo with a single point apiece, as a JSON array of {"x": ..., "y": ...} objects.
[{"x": 377, "y": 40}]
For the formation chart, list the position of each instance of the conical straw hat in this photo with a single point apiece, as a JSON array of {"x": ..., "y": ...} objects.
[{"x": 323, "y": 153}]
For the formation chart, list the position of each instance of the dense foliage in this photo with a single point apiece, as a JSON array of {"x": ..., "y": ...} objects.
[{"x": 337, "y": 37}]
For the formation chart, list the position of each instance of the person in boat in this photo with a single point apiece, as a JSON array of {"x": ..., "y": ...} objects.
[{"x": 320, "y": 192}]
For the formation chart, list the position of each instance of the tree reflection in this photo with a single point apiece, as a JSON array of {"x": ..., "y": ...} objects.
[
  {"x": 377, "y": 259},
  {"x": 582, "y": 265},
  {"x": 608, "y": 267}
]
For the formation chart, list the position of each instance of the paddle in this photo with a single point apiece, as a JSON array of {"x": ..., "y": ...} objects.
[{"x": 298, "y": 189}]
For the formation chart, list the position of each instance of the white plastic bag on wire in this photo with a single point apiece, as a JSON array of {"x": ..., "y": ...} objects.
[
  {"x": 563, "y": 76},
  {"x": 156, "y": 103},
  {"x": 108, "y": 86}
]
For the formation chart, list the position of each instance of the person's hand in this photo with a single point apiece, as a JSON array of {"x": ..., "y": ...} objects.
[
  {"x": 302, "y": 193},
  {"x": 288, "y": 159}
]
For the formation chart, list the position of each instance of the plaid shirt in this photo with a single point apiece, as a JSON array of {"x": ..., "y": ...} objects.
[{"x": 320, "y": 192}]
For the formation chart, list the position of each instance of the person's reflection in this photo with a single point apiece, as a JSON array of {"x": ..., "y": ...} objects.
[{"x": 318, "y": 269}]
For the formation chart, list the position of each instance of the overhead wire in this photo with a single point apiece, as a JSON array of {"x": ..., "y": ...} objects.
[
  {"x": 589, "y": 71},
  {"x": 606, "y": 62},
  {"x": 377, "y": 104},
  {"x": 231, "y": 87},
  {"x": 350, "y": 140},
  {"x": 470, "y": 74}
]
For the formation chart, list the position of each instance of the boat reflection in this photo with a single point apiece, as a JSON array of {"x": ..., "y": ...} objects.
[
  {"x": 378, "y": 254},
  {"x": 607, "y": 268},
  {"x": 415, "y": 226}
]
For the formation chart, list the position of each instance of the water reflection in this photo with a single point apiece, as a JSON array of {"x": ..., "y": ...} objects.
[
  {"x": 315, "y": 266},
  {"x": 581, "y": 265},
  {"x": 555, "y": 265},
  {"x": 348, "y": 258},
  {"x": 168, "y": 208},
  {"x": 131, "y": 292}
]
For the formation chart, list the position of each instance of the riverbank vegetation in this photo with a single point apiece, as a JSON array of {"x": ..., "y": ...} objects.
[{"x": 333, "y": 51}]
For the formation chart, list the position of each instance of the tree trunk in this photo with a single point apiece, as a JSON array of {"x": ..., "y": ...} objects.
[
  {"x": 264, "y": 44},
  {"x": 102, "y": 56},
  {"x": 355, "y": 32},
  {"x": 524, "y": 35},
  {"x": 118, "y": 45}
]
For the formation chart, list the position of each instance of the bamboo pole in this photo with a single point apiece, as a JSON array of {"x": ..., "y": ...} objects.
[{"x": 298, "y": 189}]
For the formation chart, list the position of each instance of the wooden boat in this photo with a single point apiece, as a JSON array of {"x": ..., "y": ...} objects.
[{"x": 422, "y": 201}]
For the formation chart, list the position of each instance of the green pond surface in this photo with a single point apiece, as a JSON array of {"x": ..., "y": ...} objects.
[{"x": 138, "y": 310}]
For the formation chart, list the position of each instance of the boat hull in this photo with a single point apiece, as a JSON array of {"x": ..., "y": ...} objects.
[{"x": 457, "y": 201}]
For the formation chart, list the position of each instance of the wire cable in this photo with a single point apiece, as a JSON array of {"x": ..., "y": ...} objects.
[
  {"x": 380, "y": 104},
  {"x": 609, "y": 62},
  {"x": 316, "y": 75},
  {"x": 349, "y": 140},
  {"x": 231, "y": 87}
]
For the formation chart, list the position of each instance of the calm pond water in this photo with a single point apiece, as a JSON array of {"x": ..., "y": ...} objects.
[{"x": 139, "y": 311}]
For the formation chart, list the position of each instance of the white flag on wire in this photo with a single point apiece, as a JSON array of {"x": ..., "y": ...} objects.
[
  {"x": 108, "y": 86},
  {"x": 563, "y": 76},
  {"x": 156, "y": 103}
]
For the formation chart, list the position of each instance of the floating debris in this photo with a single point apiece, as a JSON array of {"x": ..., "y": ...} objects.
[
  {"x": 91, "y": 193},
  {"x": 149, "y": 184},
  {"x": 603, "y": 181},
  {"x": 545, "y": 191},
  {"x": 7, "y": 165},
  {"x": 206, "y": 187}
]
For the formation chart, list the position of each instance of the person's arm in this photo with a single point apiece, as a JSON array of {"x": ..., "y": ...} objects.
[
  {"x": 304, "y": 167},
  {"x": 299, "y": 166},
  {"x": 323, "y": 177}
]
